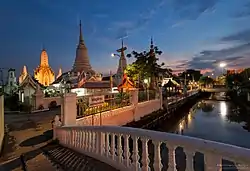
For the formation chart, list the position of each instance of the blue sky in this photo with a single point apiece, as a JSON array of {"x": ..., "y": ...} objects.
[{"x": 191, "y": 33}]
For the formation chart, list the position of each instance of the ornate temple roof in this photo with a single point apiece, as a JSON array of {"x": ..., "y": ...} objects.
[{"x": 82, "y": 59}]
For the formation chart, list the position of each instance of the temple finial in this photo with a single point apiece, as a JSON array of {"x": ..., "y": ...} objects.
[
  {"x": 151, "y": 43},
  {"x": 80, "y": 36},
  {"x": 122, "y": 42}
]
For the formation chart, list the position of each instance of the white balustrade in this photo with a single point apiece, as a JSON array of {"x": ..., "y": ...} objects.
[{"x": 113, "y": 145}]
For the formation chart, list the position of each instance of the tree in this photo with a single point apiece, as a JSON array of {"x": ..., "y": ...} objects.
[
  {"x": 146, "y": 66},
  {"x": 191, "y": 74},
  {"x": 205, "y": 80}
]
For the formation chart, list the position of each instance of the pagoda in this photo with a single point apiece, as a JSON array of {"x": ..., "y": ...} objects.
[
  {"x": 82, "y": 63},
  {"x": 44, "y": 73},
  {"x": 122, "y": 64}
]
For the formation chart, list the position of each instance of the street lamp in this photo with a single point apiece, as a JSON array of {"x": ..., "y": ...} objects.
[
  {"x": 114, "y": 55},
  {"x": 222, "y": 66},
  {"x": 146, "y": 82}
]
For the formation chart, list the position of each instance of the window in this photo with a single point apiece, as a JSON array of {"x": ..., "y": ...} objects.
[{"x": 11, "y": 83}]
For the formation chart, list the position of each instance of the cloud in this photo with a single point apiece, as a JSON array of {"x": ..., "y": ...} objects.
[
  {"x": 192, "y": 9},
  {"x": 243, "y": 36},
  {"x": 125, "y": 28},
  {"x": 244, "y": 13}
]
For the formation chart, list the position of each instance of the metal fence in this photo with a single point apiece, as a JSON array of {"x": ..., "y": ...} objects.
[
  {"x": 111, "y": 102},
  {"x": 147, "y": 95}
]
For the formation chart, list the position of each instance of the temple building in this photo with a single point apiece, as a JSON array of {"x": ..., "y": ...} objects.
[
  {"x": 28, "y": 85},
  {"x": 122, "y": 64},
  {"x": 44, "y": 73},
  {"x": 82, "y": 63}
]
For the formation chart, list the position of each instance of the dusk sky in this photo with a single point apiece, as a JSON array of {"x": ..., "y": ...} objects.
[{"x": 194, "y": 34}]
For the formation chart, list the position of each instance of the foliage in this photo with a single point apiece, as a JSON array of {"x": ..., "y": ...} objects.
[
  {"x": 205, "y": 80},
  {"x": 12, "y": 102},
  {"x": 146, "y": 66},
  {"x": 233, "y": 80},
  {"x": 191, "y": 75},
  {"x": 24, "y": 107},
  {"x": 52, "y": 105},
  {"x": 40, "y": 107}
]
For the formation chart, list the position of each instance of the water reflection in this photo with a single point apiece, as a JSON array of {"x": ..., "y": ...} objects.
[
  {"x": 239, "y": 115},
  {"x": 223, "y": 109},
  {"x": 219, "y": 121}
]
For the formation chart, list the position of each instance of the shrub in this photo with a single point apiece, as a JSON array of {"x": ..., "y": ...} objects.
[
  {"x": 25, "y": 107},
  {"x": 40, "y": 107},
  {"x": 52, "y": 105}
]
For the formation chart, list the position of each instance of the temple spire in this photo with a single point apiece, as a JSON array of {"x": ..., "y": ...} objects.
[
  {"x": 151, "y": 43},
  {"x": 80, "y": 36}
]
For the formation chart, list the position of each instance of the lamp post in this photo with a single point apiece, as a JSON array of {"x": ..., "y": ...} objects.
[
  {"x": 222, "y": 66},
  {"x": 146, "y": 82},
  {"x": 115, "y": 55}
]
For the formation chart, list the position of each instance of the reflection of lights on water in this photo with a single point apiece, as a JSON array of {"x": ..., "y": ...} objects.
[{"x": 223, "y": 108}]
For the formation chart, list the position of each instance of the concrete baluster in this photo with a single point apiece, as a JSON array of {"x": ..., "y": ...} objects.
[
  {"x": 171, "y": 157},
  {"x": 90, "y": 141},
  {"x": 93, "y": 140},
  {"x": 87, "y": 140},
  {"x": 112, "y": 146},
  {"x": 157, "y": 155},
  {"x": 119, "y": 148},
  {"x": 189, "y": 159},
  {"x": 135, "y": 156},
  {"x": 212, "y": 162},
  {"x": 145, "y": 159},
  {"x": 107, "y": 145},
  {"x": 126, "y": 150},
  {"x": 241, "y": 167}
]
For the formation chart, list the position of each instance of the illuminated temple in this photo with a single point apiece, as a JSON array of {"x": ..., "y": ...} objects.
[{"x": 44, "y": 73}]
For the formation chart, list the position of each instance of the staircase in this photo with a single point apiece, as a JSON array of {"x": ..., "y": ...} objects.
[{"x": 66, "y": 159}]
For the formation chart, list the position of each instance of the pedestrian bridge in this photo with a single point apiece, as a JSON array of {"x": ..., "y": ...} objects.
[
  {"x": 214, "y": 90},
  {"x": 135, "y": 149}
]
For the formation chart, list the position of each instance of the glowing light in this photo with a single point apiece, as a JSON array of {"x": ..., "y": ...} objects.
[
  {"x": 189, "y": 117},
  {"x": 223, "y": 108},
  {"x": 145, "y": 81},
  {"x": 222, "y": 65},
  {"x": 180, "y": 125},
  {"x": 112, "y": 54}
]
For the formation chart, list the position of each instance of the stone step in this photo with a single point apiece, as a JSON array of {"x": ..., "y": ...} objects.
[{"x": 69, "y": 160}]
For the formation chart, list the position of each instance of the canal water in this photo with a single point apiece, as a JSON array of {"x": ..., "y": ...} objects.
[{"x": 215, "y": 119}]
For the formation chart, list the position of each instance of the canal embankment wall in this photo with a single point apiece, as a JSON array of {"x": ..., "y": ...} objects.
[{"x": 169, "y": 112}]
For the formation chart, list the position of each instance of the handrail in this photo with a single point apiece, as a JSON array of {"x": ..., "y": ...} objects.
[{"x": 209, "y": 148}]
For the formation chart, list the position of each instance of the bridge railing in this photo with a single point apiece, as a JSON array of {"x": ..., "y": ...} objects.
[{"x": 138, "y": 149}]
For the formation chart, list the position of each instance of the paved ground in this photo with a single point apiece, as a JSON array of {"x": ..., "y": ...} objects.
[{"x": 26, "y": 134}]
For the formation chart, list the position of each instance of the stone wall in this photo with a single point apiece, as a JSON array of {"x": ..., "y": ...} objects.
[
  {"x": 121, "y": 116},
  {"x": 1, "y": 121},
  {"x": 48, "y": 100}
]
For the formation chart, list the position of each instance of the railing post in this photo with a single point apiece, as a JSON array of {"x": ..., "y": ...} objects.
[
  {"x": 145, "y": 159},
  {"x": 135, "y": 154},
  {"x": 212, "y": 162},
  {"x": 56, "y": 123},
  {"x": 171, "y": 157},
  {"x": 161, "y": 98},
  {"x": 189, "y": 159},
  {"x": 157, "y": 156}
]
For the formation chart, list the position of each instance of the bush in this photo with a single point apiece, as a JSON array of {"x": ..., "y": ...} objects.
[
  {"x": 52, "y": 105},
  {"x": 40, "y": 107},
  {"x": 25, "y": 107}
]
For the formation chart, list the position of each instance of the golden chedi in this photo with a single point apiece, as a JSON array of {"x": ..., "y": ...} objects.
[{"x": 43, "y": 73}]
